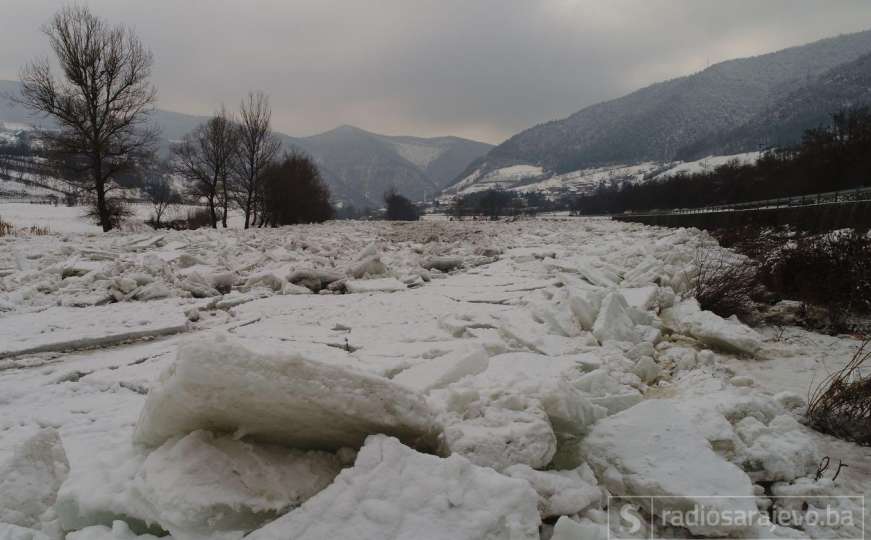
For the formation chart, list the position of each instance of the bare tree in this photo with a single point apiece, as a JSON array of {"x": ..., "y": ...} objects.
[
  {"x": 258, "y": 147},
  {"x": 101, "y": 104},
  {"x": 204, "y": 158}
]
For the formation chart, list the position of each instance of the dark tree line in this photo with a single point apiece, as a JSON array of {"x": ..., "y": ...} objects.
[
  {"x": 293, "y": 192},
  {"x": 399, "y": 208},
  {"x": 493, "y": 203},
  {"x": 831, "y": 158}
]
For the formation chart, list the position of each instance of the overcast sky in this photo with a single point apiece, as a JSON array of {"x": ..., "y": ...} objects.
[{"x": 483, "y": 69}]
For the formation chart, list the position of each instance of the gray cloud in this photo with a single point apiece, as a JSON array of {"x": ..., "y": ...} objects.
[{"x": 483, "y": 69}]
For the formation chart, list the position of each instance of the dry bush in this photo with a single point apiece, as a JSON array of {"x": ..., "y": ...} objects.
[
  {"x": 841, "y": 404},
  {"x": 5, "y": 228},
  {"x": 830, "y": 271},
  {"x": 726, "y": 284},
  {"x": 35, "y": 230},
  {"x": 116, "y": 213},
  {"x": 756, "y": 242},
  {"x": 200, "y": 218}
]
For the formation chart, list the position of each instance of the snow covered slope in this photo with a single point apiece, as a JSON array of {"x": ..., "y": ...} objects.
[
  {"x": 784, "y": 121},
  {"x": 657, "y": 122},
  {"x": 529, "y": 178}
]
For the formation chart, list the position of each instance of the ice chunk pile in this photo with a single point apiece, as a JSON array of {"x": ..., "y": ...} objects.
[
  {"x": 82, "y": 271},
  {"x": 393, "y": 492},
  {"x": 751, "y": 430},
  {"x": 514, "y": 411},
  {"x": 654, "y": 449},
  {"x": 199, "y": 485},
  {"x": 234, "y": 438},
  {"x": 542, "y": 368}
]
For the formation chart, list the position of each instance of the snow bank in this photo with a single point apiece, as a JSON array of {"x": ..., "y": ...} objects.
[
  {"x": 654, "y": 449},
  {"x": 219, "y": 385},
  {"x": 30, "y": 479},
  {"x": 395, "y": 493}
]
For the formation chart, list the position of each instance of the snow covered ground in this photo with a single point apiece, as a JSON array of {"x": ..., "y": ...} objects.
[
  {"x": 369, "y": 380},
  {"x": 530, "y": 178},
  {"x": 72, "y": 219}
]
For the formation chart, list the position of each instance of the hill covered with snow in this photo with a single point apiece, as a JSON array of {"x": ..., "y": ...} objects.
[
  {"x": 657, "y": 123},
  {"x": 783, "y": 123}
]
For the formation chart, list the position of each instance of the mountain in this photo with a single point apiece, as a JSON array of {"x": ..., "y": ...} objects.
[
  {"x": 784, "y": 122},
  {"x": 655, "y": 123},
  {"x": 358, "y": 165},
  {"x": 363, "y": 165}
]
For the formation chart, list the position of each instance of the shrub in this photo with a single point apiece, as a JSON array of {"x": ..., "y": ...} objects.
[
  {"x": 5, "y": 228},
  {"x": 199, "y": 218},
  {"x": 400, "y": 208},
  {"x": 841, "y": 404},
  {"x": 116, "y": 213},
  {"x": 726, "y": 284},
  {"x": 294, "y": 192},
  {"x": 830, "y": 271}
]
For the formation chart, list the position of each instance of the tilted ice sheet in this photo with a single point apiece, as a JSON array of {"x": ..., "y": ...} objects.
[{"x": 219, "y": 385}]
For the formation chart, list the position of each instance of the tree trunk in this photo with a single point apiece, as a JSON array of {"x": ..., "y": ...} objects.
[
  {"x": 102, "y": 209},
  {"x": 248, "y": 211},
  {"x": 226, "y": 205},
  {"x": 213, "y": 216}
]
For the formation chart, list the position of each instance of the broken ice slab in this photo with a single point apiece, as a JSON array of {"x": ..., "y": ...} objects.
[
  {"x": 286, "y": 399},
  {"x": 69, "y": 328}
]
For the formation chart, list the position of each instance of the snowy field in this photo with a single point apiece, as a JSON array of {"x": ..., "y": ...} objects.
[
  {"x": 448, "y": 380},
  {"x": 72, "y": 219},
  {"x": 529, "y": 178}
]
